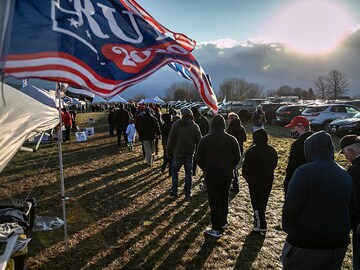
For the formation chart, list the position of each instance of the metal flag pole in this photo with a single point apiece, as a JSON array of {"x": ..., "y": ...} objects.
[{"x": 63, "y": 197}]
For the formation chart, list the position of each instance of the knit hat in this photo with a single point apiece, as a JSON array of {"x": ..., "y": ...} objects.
[{"x": 186, "y": 111}]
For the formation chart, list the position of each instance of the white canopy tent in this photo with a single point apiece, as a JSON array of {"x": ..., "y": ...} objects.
[
  {"x": 98, "y": 99},
  {"x": 39, "y": 94},
  {"x": 150, "y": 100},
  {"x": 21, "y": 117},
  {"x": 117, "y": 99},
  {"x": 159, "y": 99}
]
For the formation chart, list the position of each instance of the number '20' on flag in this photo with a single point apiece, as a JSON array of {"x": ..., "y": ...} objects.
[{"x": 104, "y": 46}]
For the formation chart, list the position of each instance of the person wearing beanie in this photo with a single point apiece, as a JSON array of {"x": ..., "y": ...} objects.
[
  {"x": 238, "y": 131},
  {"x": 217, "y": 155},
  {"x": 318, "y": 209},
  {"x": 204, "y": 126},
  {"x": 258, "y": 170},
  {"x": 299, "y": 130},
  {"x": 350, "y": 147},
  {"x": 183, "y": 139},
  {"x": 258, "y": 118}
]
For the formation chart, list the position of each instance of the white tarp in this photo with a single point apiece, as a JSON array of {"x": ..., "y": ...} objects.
[{"x": 21, "y": 117}]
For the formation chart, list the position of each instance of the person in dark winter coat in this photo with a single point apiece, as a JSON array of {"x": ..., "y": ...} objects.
[
  {"x": 217, "y": 155},
  {"x": 318, "y": 209},
  {"x": 258, "y": 170},
  {"x": 204, "y": 126},
  {"x": 300, "y": 130},
  {"x": 111, "y": 121},
  {"x": 121, "y": 121},
  {"x": 149, "y": 130},
  {"x": 165, "y": 130},
  {"x": 350, "y": 147},
  {"x": 258, "y": 118},
  {"x": 238, "y": 131},
  {"x": 183, "y": 139}
]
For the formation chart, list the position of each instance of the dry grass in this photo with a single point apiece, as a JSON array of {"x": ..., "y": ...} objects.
[{"x": 120, "y": 215}]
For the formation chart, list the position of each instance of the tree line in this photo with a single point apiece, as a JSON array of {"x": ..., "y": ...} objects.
[{"x": 331, "y": 86}]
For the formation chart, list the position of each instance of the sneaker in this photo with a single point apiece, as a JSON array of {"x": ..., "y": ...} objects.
[
  {"x": 258, "y": 229},
  {"x": 225, "y": 226},
  {"x": 213, "y": 233},
  {"x": 203, "y": 187}
]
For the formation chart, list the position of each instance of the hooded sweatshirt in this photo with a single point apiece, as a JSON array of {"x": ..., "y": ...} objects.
[
  {"x": 260, "y": 160},
  {"x": 183, "y": 138},
  {"x": 320, "y": 199},
  {"x": 218, "y": 152}
]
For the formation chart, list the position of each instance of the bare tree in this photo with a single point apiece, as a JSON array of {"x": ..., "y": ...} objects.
[
  {"x": 320, "y": 84},
  {"x": 182, "y": 91},
  {"x": 239, "y": 89},
  {"x": 336, "y": 84},
  {"x": 138, "y": 97}
]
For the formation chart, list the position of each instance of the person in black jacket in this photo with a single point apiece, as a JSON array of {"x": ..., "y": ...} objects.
[
  {"x": 121, "y": 121},
  {"x": 204, "y": 126},
  {"x": 238, "y": 131},
  {"x": 149, "y": 130},
  {"x": 165, "y": 130},
  {"x": 258, "y": 170},
  {"x": 111, "y": 121},
  {"x": 350, "y": 147},
  {"x": 300, "y": 130},
  {"x": 217, "y": 155}
]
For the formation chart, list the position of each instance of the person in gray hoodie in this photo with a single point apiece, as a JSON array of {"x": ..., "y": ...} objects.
[
  {"x": 318, "y": 209},
  {"x": 183, "y": 139}
]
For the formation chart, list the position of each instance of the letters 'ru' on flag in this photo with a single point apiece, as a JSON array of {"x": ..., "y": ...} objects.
[{"x": 104, "y": 46}]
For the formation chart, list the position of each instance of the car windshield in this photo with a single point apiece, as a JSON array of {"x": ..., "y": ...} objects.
[{"x": 315, "y": 109}]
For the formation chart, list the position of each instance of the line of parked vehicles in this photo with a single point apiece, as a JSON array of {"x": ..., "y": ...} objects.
[{"x": 339, "y": 117}]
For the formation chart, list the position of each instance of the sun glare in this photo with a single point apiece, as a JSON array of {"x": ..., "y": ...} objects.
[{"x": 311, "y": 27}]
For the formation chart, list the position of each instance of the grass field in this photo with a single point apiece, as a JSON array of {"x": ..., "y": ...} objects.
[{"x": 120, "y": 215}]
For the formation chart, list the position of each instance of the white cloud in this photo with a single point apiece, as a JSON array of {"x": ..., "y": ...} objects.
[{"x": 274, "y": 65}]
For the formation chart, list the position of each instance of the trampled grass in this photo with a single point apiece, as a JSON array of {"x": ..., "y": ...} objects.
[{"x": 120, "y": 215}]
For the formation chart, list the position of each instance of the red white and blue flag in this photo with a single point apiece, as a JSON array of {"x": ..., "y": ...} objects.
[{"x": 104, "y": 46}]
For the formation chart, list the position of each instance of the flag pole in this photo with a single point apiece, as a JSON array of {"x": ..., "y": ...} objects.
[{"x": 63, "y": 197}]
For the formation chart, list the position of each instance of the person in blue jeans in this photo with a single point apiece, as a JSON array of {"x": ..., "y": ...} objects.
[
  {"x": 183, "y": 139},
  {"x": 350, "y": 147}
]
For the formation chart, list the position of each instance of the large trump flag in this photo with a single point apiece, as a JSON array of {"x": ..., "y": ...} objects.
[{"x": 104, "y": 46}]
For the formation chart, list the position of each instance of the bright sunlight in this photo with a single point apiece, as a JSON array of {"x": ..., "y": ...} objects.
[{"x": 311, "y": 27}]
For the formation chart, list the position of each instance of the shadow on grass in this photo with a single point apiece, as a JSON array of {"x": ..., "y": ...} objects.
[{"x": 250, "y": 249}]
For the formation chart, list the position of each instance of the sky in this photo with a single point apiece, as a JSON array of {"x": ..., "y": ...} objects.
[{"x": 273, "y": 43}]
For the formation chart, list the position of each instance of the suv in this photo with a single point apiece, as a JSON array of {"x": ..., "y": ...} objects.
[
  {"x": 320, "y": 116},
  {"x": 248, "y": 107},
  {"x": 286, "y": 113}
]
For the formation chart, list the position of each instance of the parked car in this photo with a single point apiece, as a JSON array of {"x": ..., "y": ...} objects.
[
  {"x": 346, "y": 126},
  {"x": 286, "y": 113},
  {"x": 270, "y": 111},
  {"x": 320, "y": 116},
  {"x": 248, "y": 107}
]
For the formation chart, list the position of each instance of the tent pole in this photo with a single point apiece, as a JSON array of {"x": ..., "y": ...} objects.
[{"x": 63, "y": 198}]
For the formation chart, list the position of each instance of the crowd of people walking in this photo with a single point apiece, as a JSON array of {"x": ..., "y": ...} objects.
[{"x": 320, "y": 207}]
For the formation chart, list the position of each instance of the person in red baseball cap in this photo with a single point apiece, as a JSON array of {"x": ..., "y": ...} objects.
[{"x": 299, "y": 130}]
